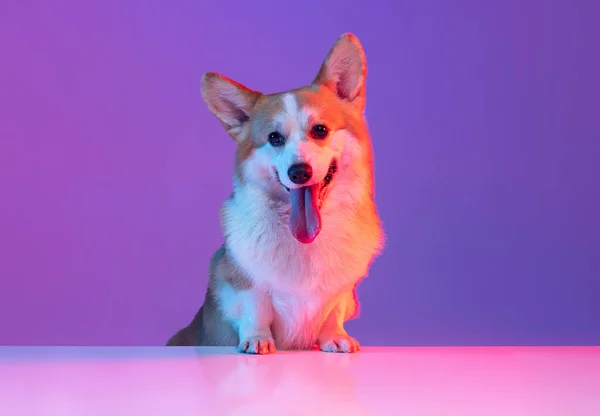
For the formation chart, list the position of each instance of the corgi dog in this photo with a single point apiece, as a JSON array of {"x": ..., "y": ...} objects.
[{"x": 301, "y": 227}]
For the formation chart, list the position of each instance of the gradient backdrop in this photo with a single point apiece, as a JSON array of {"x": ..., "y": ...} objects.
[{"x": 485, "y": 121}]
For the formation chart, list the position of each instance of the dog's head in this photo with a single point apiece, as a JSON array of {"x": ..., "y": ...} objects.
[{"x": 297, "y": 144}]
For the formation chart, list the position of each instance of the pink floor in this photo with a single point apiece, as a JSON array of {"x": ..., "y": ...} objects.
[{"x": 378, "y": 381}]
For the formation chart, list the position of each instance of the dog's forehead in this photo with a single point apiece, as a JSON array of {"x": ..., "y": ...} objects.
[
  {"x": 284, "y": 110},
  {"x": 294, "y": 116},
  {"x": 296, "y": 108}
]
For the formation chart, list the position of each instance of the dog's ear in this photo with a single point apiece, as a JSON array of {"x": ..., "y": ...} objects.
[
  {"x": 231, "y": 102},
  {"x": 344, "y": 71}
]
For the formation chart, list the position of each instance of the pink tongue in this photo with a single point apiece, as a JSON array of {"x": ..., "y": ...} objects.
[{"x": 305, "y": 219}]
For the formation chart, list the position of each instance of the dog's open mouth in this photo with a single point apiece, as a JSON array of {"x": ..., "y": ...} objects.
[
  {"x": 323, "y": 186},
  {"x": 305, "y": 216}
]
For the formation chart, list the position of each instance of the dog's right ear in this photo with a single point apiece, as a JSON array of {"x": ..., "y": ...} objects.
[
  {"x": 231, "y": 102},
  {"x": 344, "y": 71}
]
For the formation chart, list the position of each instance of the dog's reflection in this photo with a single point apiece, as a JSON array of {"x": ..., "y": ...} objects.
[{"x": 285, "y": 383}]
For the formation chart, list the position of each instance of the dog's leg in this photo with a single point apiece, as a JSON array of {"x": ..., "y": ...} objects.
[
  {"x": 333, "y": 337},
  {"x": 255, "y": 321},
  {"x": 246, "y": 307}
]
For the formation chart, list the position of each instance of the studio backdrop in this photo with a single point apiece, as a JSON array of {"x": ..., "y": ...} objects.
[{"x": 484, "y": 118}]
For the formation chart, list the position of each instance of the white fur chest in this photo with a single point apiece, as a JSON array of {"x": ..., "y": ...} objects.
[
  {"x": 303, "y": 280},
  {"x": 258, "y": 236},
  {"x": 298, "y": 317}
]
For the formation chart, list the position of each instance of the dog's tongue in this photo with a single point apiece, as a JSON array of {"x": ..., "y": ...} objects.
[{"x": 305, "y": 219}]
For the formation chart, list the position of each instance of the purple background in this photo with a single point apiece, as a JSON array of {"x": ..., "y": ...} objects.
[{"x": 484, "y": 116}]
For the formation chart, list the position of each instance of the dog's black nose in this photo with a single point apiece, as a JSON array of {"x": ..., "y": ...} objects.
[{"x": 300, "y": 173}]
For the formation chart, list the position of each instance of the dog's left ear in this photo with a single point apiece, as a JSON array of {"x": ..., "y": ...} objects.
[
  {"x": 344, "y": 71},
  {"x": 231, "y": 102}
]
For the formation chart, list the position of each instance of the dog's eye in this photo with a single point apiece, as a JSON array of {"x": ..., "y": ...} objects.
[
  {"x": 319, "y": 131},
  {"x": 275, "y": 139}
]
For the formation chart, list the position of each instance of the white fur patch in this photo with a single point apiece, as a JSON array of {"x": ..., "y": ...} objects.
[
  {"x": 229, "y": 302},
  {"x": 290, "y": 105},
  {"x": 298, "y": 316},
  {"x": 295, "y": 117},
  {"x": 289, "y": 119},
  {"x": 250, "y": 311}
]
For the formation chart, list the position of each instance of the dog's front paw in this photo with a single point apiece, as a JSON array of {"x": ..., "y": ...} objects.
[
  {"x": 257, "y": 345},
  {"x": 338, "y": 343}
]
